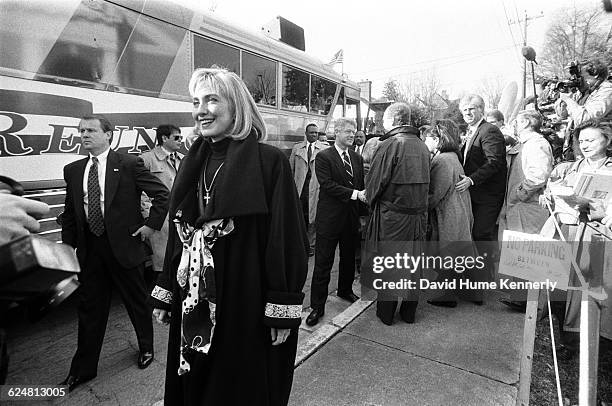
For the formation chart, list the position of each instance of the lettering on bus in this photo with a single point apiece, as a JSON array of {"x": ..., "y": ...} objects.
[
  {"x": 19, "y": 137},
  {"x": 60, "y": 141},
  {"x": 140, "y": 132},
  {"x": 11, "y": 144}
]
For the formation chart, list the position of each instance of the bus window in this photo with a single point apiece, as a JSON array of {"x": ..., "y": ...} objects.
[
  {"x": 259, "y": 74},
  {"x": 87, "y": 49},
  {"x": 322, "y": 95},
  {"x": 295, "y": 89},
  {"x": 207, "y": 53},
  {"x": 148, "y": 57}
]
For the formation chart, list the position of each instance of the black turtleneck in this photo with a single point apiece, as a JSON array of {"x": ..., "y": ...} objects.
[{"x": 215, "y": 159}]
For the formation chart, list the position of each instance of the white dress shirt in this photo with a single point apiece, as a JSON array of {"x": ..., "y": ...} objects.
[
  {"x": 340, "y": 152},
  {"x": 470, "y": 140},
  {"x": 102, "y": 158}
]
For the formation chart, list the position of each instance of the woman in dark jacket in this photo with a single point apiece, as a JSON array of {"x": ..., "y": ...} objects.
[
  {"x": 236, "y": 260},
  {"x": 450, "y": 217}
]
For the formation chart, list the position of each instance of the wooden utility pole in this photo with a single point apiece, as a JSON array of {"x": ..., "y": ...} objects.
[{"x": 524, "y": 21}]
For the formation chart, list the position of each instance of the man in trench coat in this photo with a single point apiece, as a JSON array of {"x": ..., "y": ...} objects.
[{"x": 302, "y": 161}]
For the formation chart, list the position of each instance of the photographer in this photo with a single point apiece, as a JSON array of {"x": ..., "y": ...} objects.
[
  {"x": 18, "y": 217},
  {"x": 594, "y": 105}
]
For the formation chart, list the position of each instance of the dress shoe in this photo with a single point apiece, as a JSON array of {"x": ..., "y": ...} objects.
[
  {"x": 408, "y": 311},
  {"x": 514, "y": 305},
  {"x": 72, "y": 381},
  {"x": 385, "y": 320},
  {"x": 385, "y": 310},
  {"x": 145, "y": 359},
  {"x": 349, "y": 297},
  {"x": 443, "y": 303},
  {"x": 314, "y": 316}
]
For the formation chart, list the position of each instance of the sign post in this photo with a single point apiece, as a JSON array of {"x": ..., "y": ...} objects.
[
  {"x": 528, "y": 344},
  {"x": 590, "y": 323},
  {"x": 516, "y": 261},
  {"x": 533, "y": 257}
]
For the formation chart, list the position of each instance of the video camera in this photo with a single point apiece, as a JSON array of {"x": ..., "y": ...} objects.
[
  {"x": 575, "y": 80},
  {"x": 557, "y": 85},
  {"x": 36, "y": 272}
]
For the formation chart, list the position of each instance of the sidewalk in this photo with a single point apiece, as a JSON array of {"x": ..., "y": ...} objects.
[
  {"x": 40, "y": 352},
  {"x": 468, "y": 355},
  {"x": 463, "y": 356}
]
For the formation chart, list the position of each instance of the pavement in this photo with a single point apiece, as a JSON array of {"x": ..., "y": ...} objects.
[{"x": 468, "y": 355}]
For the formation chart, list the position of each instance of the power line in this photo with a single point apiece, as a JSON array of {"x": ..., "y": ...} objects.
[
  {"x": 518, "y": 60},
  {"x": 442, "y": 66},
  {"x": 511, "y": 33},
  {"x": 508, "y": 21},
  {"x": 433, "y": 60},
  {"x": 525, "y": 21},
  {"x": 518, "y": 18}
]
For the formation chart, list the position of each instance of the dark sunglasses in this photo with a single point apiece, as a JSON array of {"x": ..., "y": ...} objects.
[{"x": 177, "y": 137}]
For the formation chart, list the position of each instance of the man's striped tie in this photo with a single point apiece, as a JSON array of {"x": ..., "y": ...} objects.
[{"x": 347, "y": 165}]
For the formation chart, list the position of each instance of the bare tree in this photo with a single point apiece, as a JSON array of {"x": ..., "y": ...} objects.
[
  {"x": 418, "y": 92},
  {"x": 424, "y": 90},
  {"x": 575, "y": 34},
  {"x": 392, "y": 90},
  {"x": 490, "y": 89}
]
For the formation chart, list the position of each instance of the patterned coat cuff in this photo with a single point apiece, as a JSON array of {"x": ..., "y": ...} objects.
[
  {"x": 161, "y": 298},
  {"x": 283, "y": 310}
]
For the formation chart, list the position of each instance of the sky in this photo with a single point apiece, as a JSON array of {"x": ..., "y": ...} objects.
[{"x": 462, "y": 42}]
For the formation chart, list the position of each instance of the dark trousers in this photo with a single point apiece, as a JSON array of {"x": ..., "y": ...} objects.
[
  {"x": 485, "y": 217},
  {"x": 385, "y": 309},
  {"x": 484, "y": 232},
  {"x": 324, "y": 260},
  {"x": 102, "y": 272}
]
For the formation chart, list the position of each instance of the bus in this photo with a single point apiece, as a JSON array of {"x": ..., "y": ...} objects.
[{"x": 131, "y": 60}]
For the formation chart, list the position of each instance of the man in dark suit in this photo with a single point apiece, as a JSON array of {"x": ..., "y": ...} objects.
[
  {"x": 359, "y": 142},
  {"x": 484, "y": 163},
  {"x": 339, "y": 171},
  {"x": 103, "y": 221}
]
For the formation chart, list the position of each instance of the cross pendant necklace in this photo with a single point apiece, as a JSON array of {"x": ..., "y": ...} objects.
[{"x": 208, "y": 188}]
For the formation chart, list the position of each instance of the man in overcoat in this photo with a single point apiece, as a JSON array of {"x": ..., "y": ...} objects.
[
  {"x": 397, "y": 186},
  {"x": 531, "y": 162},
  {"x": 163, "y": 161},
  {"x": 302, "y": 161}
]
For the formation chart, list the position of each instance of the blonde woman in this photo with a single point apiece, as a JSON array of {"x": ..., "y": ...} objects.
[{"x": 236, "y": 260}]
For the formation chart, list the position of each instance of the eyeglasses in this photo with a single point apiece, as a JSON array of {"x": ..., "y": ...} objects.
[
  {"x": 349, "y": 132},
  {"x": 177, "y": 137}
]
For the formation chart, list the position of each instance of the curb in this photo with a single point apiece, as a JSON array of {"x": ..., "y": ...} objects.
[{"x": 324, "y": 333}]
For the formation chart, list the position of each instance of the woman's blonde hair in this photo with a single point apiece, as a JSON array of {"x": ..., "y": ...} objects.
[{"x": 229, "y": 86}]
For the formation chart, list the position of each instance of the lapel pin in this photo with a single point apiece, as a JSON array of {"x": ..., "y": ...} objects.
[{"x": 115, "y": 170}]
